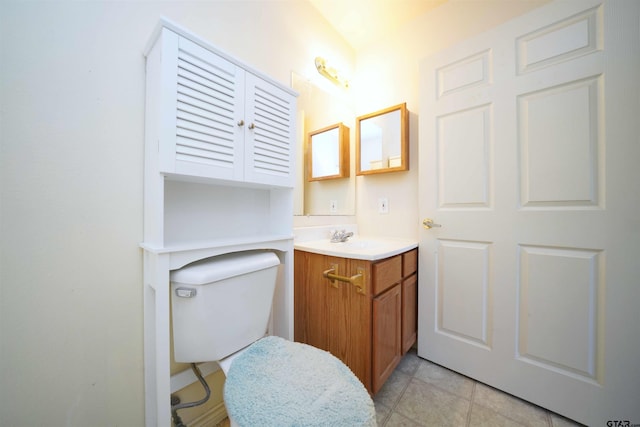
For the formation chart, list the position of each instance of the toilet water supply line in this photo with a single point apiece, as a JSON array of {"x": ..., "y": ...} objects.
[{"x": 174, "y": 408}]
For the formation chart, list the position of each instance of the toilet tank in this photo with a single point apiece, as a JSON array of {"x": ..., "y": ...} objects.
[{"x": 221, "y": 304}]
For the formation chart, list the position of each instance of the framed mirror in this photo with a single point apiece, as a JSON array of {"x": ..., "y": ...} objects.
[
  {"x": 320, "y": 106},
  {"x": 382, "y": 141},
  {"x": 328, "y": 153}
]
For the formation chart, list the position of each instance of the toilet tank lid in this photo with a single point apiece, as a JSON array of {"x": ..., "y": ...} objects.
[{"x": 223, "y": 267}]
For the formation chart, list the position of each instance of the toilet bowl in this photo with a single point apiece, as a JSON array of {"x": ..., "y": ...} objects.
[{"x": 220, "y": 312}]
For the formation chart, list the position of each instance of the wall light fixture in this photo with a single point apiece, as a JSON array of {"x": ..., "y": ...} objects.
[{"x": 330, "y": 72}]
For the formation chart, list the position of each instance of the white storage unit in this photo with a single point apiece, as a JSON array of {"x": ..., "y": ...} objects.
[
  {"x": 219, "y": 150},
  {"x": 217, "y": 120}
]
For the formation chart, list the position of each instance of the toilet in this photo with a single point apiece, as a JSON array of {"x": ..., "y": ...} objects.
[{"x": 221, "y": 308}]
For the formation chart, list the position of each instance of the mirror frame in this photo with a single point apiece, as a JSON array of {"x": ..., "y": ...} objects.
[
  {"x": 404, "y": 140},
  {"x": 343, "y": 152}
]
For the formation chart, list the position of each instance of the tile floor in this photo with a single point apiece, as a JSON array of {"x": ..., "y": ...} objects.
[{"x": 421, "y": 393}]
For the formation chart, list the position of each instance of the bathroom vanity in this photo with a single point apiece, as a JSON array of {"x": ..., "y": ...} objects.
[{"x": 360, "y": 307}]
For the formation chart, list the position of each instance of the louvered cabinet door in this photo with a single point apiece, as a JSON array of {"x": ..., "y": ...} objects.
[
  {"x": 269, "y": 134},
  {"x": 208, "y": 111}
]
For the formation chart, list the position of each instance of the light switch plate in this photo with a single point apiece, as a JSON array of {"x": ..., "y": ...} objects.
[{"x": 383, "y": 205}]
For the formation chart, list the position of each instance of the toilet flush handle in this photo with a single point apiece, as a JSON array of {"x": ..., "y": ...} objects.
[{"x": 186, "y": 292}]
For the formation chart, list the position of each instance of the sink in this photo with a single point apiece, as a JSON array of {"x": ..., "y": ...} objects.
[
  {"x": 370, "y": 249},
  {"x": 360, "y": 244}
]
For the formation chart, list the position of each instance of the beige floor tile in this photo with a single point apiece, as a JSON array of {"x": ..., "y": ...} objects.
[
  {"x": 431, "y": 406},
  {"x": 446, "y": 379},
  {"x": 382, "y": 413},
  {"x": 410, "y": 362},
  {"x": 397, "y": 420},
  {"x": 560, "y": 421},
  {"x": 392, "y": 389},
  {"x": 485, "y": 417},
  {"x": 510, "y": 407}
]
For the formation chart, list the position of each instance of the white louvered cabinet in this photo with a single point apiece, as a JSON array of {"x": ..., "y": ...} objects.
[
  {"x": 218, "y": 178},
  {"x": 218, "y": 120}
]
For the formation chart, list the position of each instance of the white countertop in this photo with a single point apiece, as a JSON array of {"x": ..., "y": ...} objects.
[{"x": 358, "y": 247}]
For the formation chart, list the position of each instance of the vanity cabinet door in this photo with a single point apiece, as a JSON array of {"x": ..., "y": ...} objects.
[
  {"x": 409, "y": 312},
  {"x": 333, "y": 315},
  {"x": 349, "y": 322},
  {"x": 409, "y": 299},
  {"x": 387, "y": 346},
  {"x": 311, "y": 298}
]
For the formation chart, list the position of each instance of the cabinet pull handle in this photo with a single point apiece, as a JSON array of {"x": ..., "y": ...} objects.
[
  {"x": 252, "y": 126},
  {"x": 356, "y": 280},
  {"x": 241, "y": 123}
]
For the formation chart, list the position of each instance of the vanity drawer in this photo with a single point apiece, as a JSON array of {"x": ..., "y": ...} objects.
[
  {"x": 386, "y": 273},
  {"x": 409, "y": 263}
]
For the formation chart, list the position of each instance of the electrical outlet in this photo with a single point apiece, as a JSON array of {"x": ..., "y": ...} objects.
[
  {"x": 383, "y": 205},
  {"x": 333, "y": 206}
]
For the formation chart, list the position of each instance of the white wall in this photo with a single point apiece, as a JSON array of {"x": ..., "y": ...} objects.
[
  {"x": 71, "y": 144},
  {"x": 71, "y": 158},
  {"x": 387, "y": 74}
]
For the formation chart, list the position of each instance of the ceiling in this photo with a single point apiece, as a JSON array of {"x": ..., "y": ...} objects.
[{"x": 361, "y": 22}]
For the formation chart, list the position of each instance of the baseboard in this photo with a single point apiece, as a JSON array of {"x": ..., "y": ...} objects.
[{"x": 211, "y": 418}]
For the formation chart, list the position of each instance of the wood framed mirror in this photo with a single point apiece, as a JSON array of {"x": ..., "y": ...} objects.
[
  {"x": 382, "y": 141},
  {"x": 328, "y": 153}
]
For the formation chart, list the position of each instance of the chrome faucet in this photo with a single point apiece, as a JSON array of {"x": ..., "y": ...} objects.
[{"x": 340, "y": 236}]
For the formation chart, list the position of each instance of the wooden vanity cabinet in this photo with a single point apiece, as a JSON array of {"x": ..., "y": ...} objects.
[
  {"x": 333, "y": 316},
  {"x": 369, "y": 330}
]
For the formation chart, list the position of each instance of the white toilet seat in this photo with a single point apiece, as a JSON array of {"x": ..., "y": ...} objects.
[
  {"x": 275, "y": 382},
  {"x": 225, "y": 364}
]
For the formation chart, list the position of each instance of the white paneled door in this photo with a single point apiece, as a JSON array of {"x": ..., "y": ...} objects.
[{"x": 530, "y": 162}]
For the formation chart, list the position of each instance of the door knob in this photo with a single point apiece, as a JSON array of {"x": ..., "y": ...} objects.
[{"x": 428, "y": 223}]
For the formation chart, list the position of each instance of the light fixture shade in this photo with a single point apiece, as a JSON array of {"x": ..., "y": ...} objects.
[{"x": 330, "y": 72}]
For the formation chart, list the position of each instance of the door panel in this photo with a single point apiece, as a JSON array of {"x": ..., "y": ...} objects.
[
  {"x": 270, "y": 130},
  {"x": 209, "y": 103},
  {"x": 547, "y": 319},
  {"x": 464, "y": 158},
  {"x": 463, "y": 294},
  {"x": 528, "y": 159},
  {"x": 560, "y": 145}
]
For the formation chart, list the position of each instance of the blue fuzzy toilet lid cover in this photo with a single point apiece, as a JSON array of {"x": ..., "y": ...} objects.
[{"x": 276, "y": 382}]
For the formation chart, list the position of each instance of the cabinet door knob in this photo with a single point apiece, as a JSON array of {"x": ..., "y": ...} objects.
[
  {"x": 241, "y": 123},
  {"x": 252, "y": 126}
]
